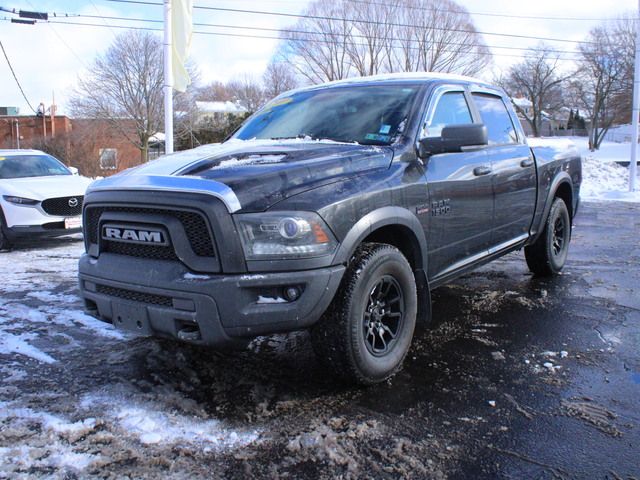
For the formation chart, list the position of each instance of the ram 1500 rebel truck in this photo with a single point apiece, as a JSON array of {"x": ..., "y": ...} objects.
[{"x": 335, "y": 208}]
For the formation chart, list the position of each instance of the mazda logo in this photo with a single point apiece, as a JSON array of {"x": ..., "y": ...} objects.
[{"x": 73, "y": 202}]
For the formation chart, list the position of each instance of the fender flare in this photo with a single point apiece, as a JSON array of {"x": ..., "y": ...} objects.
[
  {"x": 561, "y": 178},
  {"x": 390, "y": 216},
  {"x": 382, "y": 217}
]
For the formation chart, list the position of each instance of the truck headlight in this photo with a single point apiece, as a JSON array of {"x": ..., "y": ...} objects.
[
  {"x": 284, "y": 235},
  {"x": 20, "y": 200}
]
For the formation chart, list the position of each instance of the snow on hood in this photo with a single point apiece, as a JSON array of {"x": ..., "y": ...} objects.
[{"x": 175, "y": 162}]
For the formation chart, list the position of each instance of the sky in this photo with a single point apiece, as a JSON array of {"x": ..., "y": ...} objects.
[{"x": 48, "y": 58}]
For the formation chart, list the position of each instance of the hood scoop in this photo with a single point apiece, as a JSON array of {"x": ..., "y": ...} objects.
[{"x": 236, "y": 161}]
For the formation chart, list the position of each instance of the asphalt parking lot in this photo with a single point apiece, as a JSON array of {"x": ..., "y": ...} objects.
[{"x": 517, "y": 377}]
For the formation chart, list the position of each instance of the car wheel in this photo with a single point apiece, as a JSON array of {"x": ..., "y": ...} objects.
[
  {"x": 5, "y": 244},
  {"x": 366, "y": 333},
  {"x": 548, "y": 254}
]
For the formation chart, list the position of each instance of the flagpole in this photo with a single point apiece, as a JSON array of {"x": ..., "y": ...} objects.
[
  {"x": 633, "y": 166},
  {"x": 168, "y": 80}
]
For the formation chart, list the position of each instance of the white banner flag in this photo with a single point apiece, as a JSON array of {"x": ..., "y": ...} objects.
[{"x": 182, "y": 31}]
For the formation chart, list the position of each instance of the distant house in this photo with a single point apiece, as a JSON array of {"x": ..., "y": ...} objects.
[
  {"x": 218, "y": 113},
  {"x": 551, "y": 124}
]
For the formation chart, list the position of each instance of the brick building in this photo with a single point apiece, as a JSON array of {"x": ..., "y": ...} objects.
[
  {"x": 96, "y": 147},
  {"x": 22, "y": 131}
]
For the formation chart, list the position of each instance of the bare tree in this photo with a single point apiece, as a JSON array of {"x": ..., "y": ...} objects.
[
  {"x": 317, "y": 47},
  {"x": 536, "y": 79},
  {"x": 437, "y": 36},
  {"x": 277, "y": 78},
  {"x": 602, "y": 80},
  {"x": 215, "y": 91},
  {"x": 125, "y": 83},
  {"x": 247, "y": 92},
  {"x": 342, "y": 38}
]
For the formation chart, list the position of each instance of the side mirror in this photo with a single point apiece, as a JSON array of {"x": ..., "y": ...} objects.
[
  {"x": 453, "y": 138},
  {"x": 73, "y": 170}
]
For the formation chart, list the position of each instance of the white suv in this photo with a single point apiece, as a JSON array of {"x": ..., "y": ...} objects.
[{"x": 38, "y": 196}]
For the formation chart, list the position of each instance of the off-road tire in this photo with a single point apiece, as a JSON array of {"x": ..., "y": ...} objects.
[
  {"x": 548, "y": 254},
  {"x": 343, "y": 337}
]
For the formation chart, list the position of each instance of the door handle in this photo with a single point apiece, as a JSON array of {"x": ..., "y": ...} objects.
[
  {"x": 527, "y": 162},
  {"x": 483, "y": 170}
]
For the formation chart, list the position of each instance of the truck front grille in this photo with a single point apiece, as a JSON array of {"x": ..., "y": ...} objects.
[
  {"x": 148, "y": 298},
  {"x": 141, "y": 251},
  {"x": 63, "y": 206},
  {"x": 194, "y": 225}
]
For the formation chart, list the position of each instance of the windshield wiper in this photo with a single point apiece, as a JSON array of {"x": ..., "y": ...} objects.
[
  {"x": 298, "y": 136},
  {"x": 303, "y": 136}
]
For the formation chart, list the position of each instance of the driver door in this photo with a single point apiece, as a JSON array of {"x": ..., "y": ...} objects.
[{"x": 460, "y": 190}]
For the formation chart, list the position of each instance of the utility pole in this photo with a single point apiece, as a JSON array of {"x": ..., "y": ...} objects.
[
  {"x": 52, "y": 115},
  {"x": 43, "y": 111},
  {"x": 168, "y": 80},
  {"x": 633, "y": 165},
  {"x": 17, "y": 133}
]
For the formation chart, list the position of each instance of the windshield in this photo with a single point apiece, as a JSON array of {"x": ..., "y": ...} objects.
[
  {"x": 21, "y": 166},
  {"x": 370, "y": 115}
]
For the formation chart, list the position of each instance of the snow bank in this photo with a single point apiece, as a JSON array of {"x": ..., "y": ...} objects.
[{"x": 602, "y": 178}]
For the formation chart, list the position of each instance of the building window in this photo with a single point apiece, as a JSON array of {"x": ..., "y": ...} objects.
[{"x": 108, "y": 158}]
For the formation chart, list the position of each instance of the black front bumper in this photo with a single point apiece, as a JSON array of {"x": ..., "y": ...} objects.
[{"x": 163, "y": 298}]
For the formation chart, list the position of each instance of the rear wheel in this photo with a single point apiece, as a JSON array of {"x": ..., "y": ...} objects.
[
  {"x": 366, "y": 332},
  {"x": 548, "y": 254}
]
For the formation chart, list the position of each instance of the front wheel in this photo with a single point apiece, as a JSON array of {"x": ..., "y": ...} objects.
[
  {"x": 366, "y": 333},
  {"x": 5, "y": 244},
  {"x": 548, "y": 254}
]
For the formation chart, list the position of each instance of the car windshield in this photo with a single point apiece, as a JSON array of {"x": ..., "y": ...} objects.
[
  {"x": 21, "y": 166},
  {"x": 370, "y": 115}
]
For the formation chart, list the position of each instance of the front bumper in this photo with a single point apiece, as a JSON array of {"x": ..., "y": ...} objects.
[
  {"x": 51, "y": 229},
  {"x": 163, "y": 298}
]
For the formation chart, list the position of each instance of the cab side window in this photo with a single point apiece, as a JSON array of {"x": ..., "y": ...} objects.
[
  {"x": 452, "y": 109},
  {"x": 495, "y": 116}
]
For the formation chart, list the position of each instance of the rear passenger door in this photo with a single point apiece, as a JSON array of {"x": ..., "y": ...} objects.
[
  {"x": 514, "y": 172},
  {"x": 460, "y": 190}
]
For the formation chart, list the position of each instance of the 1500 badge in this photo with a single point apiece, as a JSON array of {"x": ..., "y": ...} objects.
[{"x": 440, "y": 207}]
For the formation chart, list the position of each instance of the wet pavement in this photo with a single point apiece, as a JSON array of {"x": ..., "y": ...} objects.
[{"x": 517, "y": 377}]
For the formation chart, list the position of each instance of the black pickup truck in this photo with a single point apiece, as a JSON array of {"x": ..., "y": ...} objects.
[{"x": 335, "y": 208}]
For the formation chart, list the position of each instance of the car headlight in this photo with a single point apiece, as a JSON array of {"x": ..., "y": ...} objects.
[
  {"x": 284, "y": 235},
  {"x": 20, "y": 200}
]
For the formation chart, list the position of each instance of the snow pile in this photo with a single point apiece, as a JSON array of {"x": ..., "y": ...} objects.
[
  {"x": 152, "y": 422},
  {"x": 56, "y": 451},
  {"x": 603, "y": 178}
]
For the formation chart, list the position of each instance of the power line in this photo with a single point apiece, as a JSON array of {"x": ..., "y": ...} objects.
[
  {"x": 64, "y": 42},
  {"x": 222, "y": 34},
  {"x": 306, "y": 32},
  {"x": 342, "y": 19},
  {"x": 430, "y": 9},
  {"x": 16, "y": 78}
]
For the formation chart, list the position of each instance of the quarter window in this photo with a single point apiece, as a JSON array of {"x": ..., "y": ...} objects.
[
  {"x": 495, "y": 116},
  {"x": 452, "y": 109}
]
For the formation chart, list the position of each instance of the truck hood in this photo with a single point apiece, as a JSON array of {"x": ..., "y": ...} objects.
[{"x": 257, "y": 173}]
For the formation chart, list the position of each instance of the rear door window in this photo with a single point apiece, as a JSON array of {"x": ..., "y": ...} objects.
[{"x": 495, "y": 116}]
